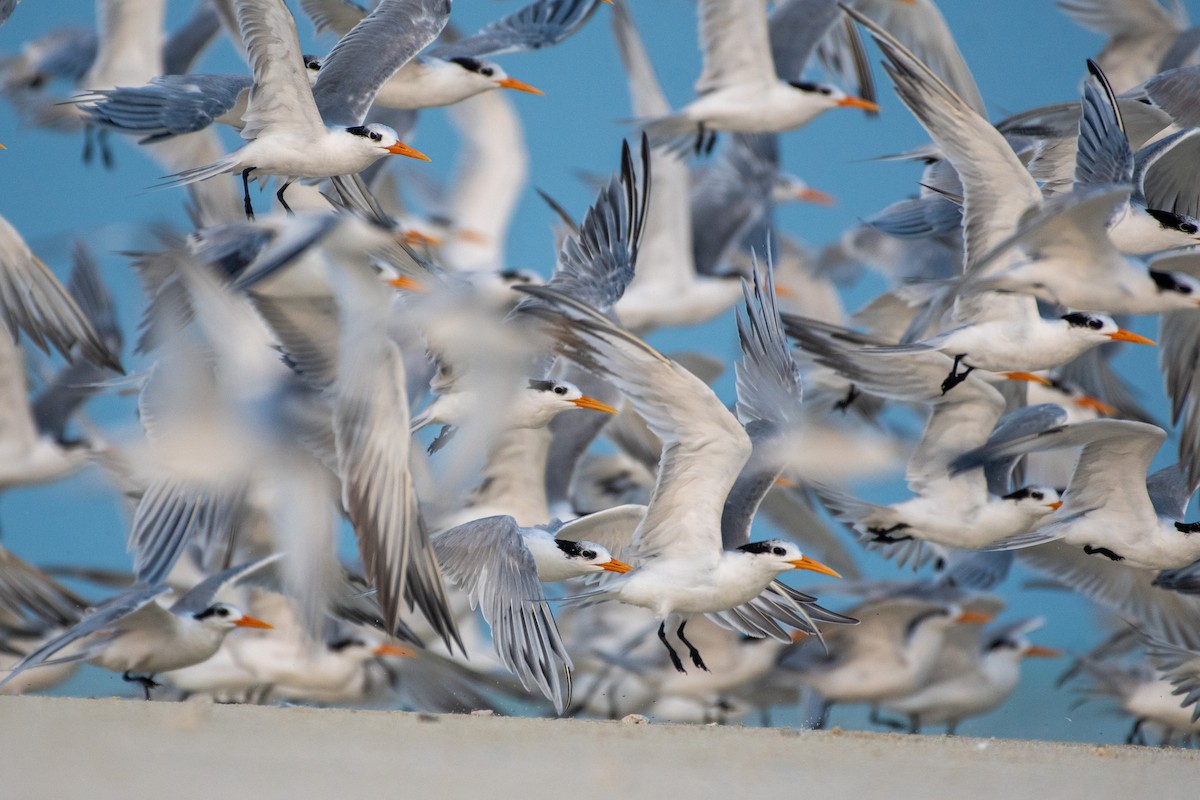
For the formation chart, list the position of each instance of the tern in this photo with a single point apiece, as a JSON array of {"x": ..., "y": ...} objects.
[
  {"x": 294, "y": 131},
  {"x": 682, "y": 568},
  {"x": 739, "y": 89},
  {"x": 132, "y": 633},
  {"x": 1110, "y": 509}
]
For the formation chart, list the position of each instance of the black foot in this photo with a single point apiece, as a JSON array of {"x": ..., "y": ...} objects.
[
  {"x": 894, "y": 724},
  {"x": 662, "y": 635},
  {"x": 884, "y": 535},
  {"x": 692, "y": 651},
  {"x": 1102, "y": 551},
  {"x": 246, "y": 192},
  {"x": 106, "y": 156},
  {"x": 955, "y": 377},
  {"x": 844, "y": 404},
  {"x": 146, "y": 681}
]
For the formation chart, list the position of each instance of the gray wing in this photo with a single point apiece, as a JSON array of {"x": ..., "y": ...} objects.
[
  {"x": 7, "y": 7},
  {"x": 1027, "y": 421},
  {"x": 1170, "y": 491},
  {"x": 488, "y": 559},
  {"x": 366, "y": 57},
  {"x": 170, "y": 105},
  {"x": 184, "y": 46},
  {"x": 1179, "y": 337},
  {"x": 1175, "y": 91},
  {"x": 731, "y": 196},
  {"x": 775, "y": 606},
  {"x": 540, "y": 24},
  {"x": 33, "y": 301},
  {"x": 769, "y": 402},
  {"x": 1181, "y": 666},
  {"x": 1167, "y": 173},
  {"x": 1129, "y": 592},
  {"x": 1103, "y": 154},
  {"x": 611, "y": 528},
  {"x": 795, "y": 27},
  {"x": 205, "y": 593},
  {"x": 596, "y": 264},
  {"x": 334, "y": 16},
  {"x": 98, "y": 619},
  {"x": 76, "y": 383},
  {"x": 29, "y": 594}
]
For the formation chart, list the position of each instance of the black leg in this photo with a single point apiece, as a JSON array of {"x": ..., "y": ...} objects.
[
  {"x": 282, "y": 202},
  {"x": 699, "y": 147},
  {"x": 712, "y": 142},
  {"x": 662, "y": 636},
  {"x": 876, "y": 719},
  {"x": 1135, "y": 733},
  {"x": 692, "y": 651},
  {"x": 106, "y": 156},
  {"x": 952, "y": 728},
  {"x": 955, "y": 377},
  {"x": 844, "y": 404},
  {"x": 87, "y": 144},
  {"x": 246, "y": 191},
  {"x": 823, "y": 717},
  {"x": 146, "y": 681}
]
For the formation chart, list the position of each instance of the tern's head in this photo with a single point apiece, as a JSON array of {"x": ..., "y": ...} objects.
[
  {"x": 777, "y": 556},
  {"x": 380, "y": 140},
  {"x": 223, "y": 616},
  {"x": 365, "y": 647},
  {"x": 1099, "y": 328},
  {"x": 1036, "y": 501},
  {"x": 541, "y": 401},
  {"x": 1014, "y": 648},
  {"x": 788, "y": 188},
  {"x": 489, "y": 75},
  {"x": 938, "y": 619},
  {"x": 832, "y": 96},
  {"x": 590, "y": 557},
  {"x": 1180, "y": 287},
  {"x": 1186, "y": 229},
  {"x": 312, "y": 66}
]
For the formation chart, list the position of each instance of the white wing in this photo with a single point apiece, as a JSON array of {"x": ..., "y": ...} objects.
[
  {"x": 281, "y": 95},
  {"x": 704, "y": 446},
  {"x": 737, "y": 50}
]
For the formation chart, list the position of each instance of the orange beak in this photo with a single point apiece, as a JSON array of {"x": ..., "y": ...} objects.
[
  {"x": 594, "y": 404},
  {"x": 783, "y": 291},
  {"x": 816, "y": 196},
  {"x": 520, "y": 86},
  {"x": 815, "y": 566},
  {"x": 2, "y": 147},
  {"x": 797, "y": 636},
  {"x": 252, "y": 622},
  {"x": 612, "y": 565},
  {"x": 786, "y": 483},
  {"x": 474, "y": 237},
  {"x": 1037, "y": 651},
  {"x": 417, "y": 239},
  {"x": 393, "y": 650},
  {"x": 858, "y": 102},
  {"x": 1056, "y": 505},
  {"x": 1123, "y": 335},
  {"x": 974, "y": 618},
  {"x": 401, "y": 149},
  {"x": 1098, "y": 406},
  {"x": 1027, "y": 376},
  {"x": 406, "y": 283}
]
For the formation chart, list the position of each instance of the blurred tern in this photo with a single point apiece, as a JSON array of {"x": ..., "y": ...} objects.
[{"x": 295, "y": 131}]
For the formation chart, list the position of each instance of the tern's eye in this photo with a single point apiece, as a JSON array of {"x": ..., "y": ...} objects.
[
  {"x": 375, "y": 137},
  {"x": 1036, "y": 495},
  {"x": 486, "y": 72},
  {"x": 560, "y": 390},
  {"x": 779, "y": 551},
  {"x": 222, "y": 612},
  {"x": 1095, "y": 324},
  {"x": 589, "y": 554},
  {"x": 1188, "y": 228}
]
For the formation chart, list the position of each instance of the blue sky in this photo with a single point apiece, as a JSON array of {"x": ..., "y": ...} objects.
[{"x": 1024, "y": 53}]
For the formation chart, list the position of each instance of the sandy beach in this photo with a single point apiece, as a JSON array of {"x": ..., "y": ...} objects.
[{"x": 110, "y": 748}]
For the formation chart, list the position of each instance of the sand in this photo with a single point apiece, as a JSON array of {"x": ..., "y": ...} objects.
[{"x": 110, "y": 748}]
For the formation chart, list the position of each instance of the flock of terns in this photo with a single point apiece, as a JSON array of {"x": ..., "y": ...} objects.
[{"x": 332, "y": 360}]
